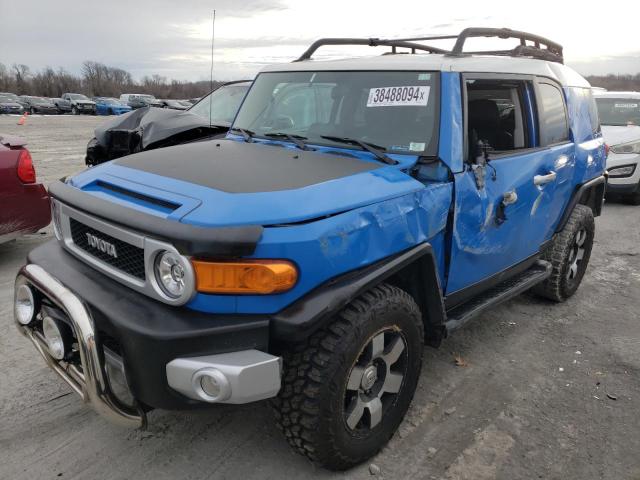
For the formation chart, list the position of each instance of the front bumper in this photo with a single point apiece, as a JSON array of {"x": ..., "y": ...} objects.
[
  {"x": 89, "y": 381},
  {"x": 160, "y": 347}
]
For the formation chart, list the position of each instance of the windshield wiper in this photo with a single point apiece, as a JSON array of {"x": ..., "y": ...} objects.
[
  {"x": 246, "y": 134},
  {"x": 372, "y": 148},
  {"x": 298, "y": 140}
]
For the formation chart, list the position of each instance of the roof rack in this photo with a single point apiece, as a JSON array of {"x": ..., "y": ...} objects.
[
  {"x": 542, "y": 48},
  {"x": 371, "y": 42}
]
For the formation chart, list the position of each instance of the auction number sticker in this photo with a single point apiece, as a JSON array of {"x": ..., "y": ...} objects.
[
  {"x": 398, "y": 96},
  {"x": 626, "y": 105}
]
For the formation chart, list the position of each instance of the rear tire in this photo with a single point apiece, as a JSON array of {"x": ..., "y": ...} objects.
[
  {"x": 347, "y": 388},
  {"x": 569, "y": 256}
]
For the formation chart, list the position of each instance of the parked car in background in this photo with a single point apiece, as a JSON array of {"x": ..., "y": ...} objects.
[
  {"x": 25, "y": 203},
  {"x": 9, "y": 105},
  {"x": 193, "y": 101},
  {"x": 140, "y": 100},
  {"x": 77, "y": 103},
  {"x": 62, "y": 106},
  {"x": 158, "y": 128},
  {"x": 173, "y": 104},
  {"x": 38, "y": 105},
  {"x": 620, "y": 119},
  {"x": 10, "y": 95},
  {"x": 110, "y": 106},
  {"x": 186, "y": 103}
]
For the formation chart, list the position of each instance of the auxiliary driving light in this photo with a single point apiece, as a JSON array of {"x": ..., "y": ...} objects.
[
  {"x": 57, "y": 337},
  {"x": 211, "y": 385},
  {"x": 24, "y": 305}
]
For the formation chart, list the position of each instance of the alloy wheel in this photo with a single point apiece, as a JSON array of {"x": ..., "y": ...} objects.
[
  {"x": 375, "y": 380},
  {"x": 577, "y": 254}
]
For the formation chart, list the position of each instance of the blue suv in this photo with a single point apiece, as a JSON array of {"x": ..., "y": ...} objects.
[{"x": 357, "y": 210}]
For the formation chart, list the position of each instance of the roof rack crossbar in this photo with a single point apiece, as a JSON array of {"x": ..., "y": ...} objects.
[
  {"x": 371, "y": 42},
  {"x": 542, "y": 48},
  {"x": 551, "y": 50}
]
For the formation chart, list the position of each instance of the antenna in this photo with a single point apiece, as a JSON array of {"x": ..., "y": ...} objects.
[{"x": 213, "y": 32}]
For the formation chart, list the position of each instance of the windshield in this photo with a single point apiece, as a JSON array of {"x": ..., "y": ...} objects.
[
  {"x": 110, "y": 101},
  {"x": 223, "y": 104},
  {"x": 6, "y": 99},
  {"x": 40, "y": 101},
  {"x": 394, "y": 110},
  {"x": 77, "y": 96},
  {"x": 619, "y": 111}
]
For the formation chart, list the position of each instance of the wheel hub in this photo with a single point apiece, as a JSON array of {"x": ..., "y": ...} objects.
[
  {"x": 369, "y": 377},
  {"x": 372, "y": 383}
]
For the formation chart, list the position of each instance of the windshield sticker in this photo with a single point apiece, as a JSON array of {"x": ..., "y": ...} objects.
[
  {"x": 424, "y": 76},
  {"x": 626, "y": 105},
  {"x": 398, "y": 96},
  {"x": 417, "y": 146}
]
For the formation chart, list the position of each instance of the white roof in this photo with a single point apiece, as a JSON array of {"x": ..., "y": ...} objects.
[
  {"x": 609, "y": 94},
  {"x": 440, "y": 62}
]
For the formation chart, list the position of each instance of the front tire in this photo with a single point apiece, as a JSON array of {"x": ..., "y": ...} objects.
[
  {"x": 569, "y": 256},
  {"x": 74, "y": 111},
  {"x": 347, "y": 388}
]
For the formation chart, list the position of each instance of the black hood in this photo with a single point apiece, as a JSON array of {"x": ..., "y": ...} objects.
[{"x": 238, "y": 167}]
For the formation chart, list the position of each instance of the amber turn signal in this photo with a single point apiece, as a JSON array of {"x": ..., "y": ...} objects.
[{"x": 245, "y": 277}]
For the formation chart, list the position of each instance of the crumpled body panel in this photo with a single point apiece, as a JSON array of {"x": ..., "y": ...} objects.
[{"x": 330, "y": 247}]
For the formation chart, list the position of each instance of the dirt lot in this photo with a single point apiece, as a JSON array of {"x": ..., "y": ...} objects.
[{"x": 550, "y": 391}]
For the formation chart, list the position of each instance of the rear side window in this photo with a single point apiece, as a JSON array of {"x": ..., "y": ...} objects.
[{"x": 553, "y": 115}]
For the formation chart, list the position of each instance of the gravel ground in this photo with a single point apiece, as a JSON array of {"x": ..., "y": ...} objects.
[{"x": 548, "y": 391}]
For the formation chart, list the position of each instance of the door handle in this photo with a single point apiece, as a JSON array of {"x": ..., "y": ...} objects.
[{"x": 544, "y": 179}]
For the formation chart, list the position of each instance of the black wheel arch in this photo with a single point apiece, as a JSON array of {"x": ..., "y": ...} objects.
[
  {"x": 413, "y": 271},
  {"x": 591, "y": 194}
]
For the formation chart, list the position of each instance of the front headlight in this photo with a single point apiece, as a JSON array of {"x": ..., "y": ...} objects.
[
  {"x": 623, "y": 171},
  {"x": 631, "y": 147},
  {"x": 170, "y": 270}
]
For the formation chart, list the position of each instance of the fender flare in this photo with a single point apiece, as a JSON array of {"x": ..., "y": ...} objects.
[
  {"x": 590, "y": 193},
  {"x": 413, "y": 270}
]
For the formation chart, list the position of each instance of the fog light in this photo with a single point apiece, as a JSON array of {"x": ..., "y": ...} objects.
[
  {"x": 211, "y": 385},
  {"x": 24, "y": 305},
  {"x": 57, "y": 337}
]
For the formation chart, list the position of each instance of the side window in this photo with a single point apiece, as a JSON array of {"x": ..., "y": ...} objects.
[
  {"x": 554, "y": 127},
  {"x": 497, "y": 115}
]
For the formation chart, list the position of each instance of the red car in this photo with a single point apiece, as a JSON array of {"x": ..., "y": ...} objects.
[{"x": 24, "y": 204}]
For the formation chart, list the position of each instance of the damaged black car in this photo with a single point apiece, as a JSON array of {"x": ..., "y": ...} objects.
[{"x": 150, "y": 128}]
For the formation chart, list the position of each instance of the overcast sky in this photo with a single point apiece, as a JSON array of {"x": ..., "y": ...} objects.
[{"x": 172, "y": 38}]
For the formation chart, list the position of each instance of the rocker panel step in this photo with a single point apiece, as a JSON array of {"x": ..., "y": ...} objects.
[{"x": 508, "y": 289}]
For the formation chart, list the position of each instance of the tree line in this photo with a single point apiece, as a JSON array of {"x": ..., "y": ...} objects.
[
  {"x": 95, "y": 79},
  {"x": 616, "y": 82}
]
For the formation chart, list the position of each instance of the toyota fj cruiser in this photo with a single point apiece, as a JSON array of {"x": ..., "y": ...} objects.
[{"x": 357, "y": 210}]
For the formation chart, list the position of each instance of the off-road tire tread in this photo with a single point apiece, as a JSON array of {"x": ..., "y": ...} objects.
[
  {"x": 307, "y": 364},
  {"x": 557, "y": 254}
]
